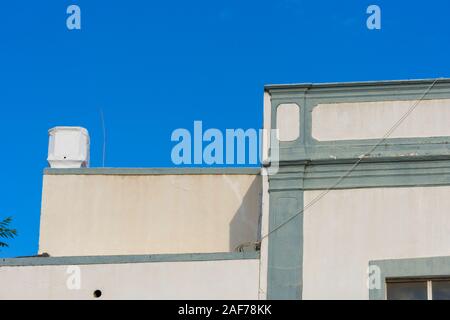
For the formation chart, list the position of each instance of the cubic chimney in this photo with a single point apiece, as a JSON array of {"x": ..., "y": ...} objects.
[{"x": 68, "y": 147}]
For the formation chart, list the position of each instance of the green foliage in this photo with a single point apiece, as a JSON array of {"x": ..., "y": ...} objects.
[{"x": 6, "y": 232}]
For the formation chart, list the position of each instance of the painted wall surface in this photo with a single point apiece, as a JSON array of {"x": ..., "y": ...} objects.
[
  {"x": 126, "y": 214},
  {"x": 264, "y": 241},
  {"x": 371, "y": 120},
  {"x": 288, "y": 121},
  {"x": 348, "y": 228},
  {"x": 265, "y": 198},
  {"x": 230, "y": 279}
]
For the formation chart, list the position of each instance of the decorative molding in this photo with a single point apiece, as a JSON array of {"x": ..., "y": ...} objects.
[
  {"x": 368, "y": 90},
  {"x": 309, "y": 96},
  {"x": 408, "y": 268},
  {"x": 366, "y": 175},
  {"x": 308, "y": 164}
]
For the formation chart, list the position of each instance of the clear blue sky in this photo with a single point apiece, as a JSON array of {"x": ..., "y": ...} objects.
[{"x": 154, "y": 66}]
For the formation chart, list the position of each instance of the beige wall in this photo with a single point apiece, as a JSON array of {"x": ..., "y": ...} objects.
[
  {"x": 348, "y": 228},
  {"x": 126, "y": 214},
  {"x": 371, "y": 120},
  {"x": 228, "y": 279}
]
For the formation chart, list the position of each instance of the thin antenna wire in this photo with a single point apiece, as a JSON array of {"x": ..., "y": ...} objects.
[
  {"x": 102, "y": 118},
  {"x": 388, "y": 133}
]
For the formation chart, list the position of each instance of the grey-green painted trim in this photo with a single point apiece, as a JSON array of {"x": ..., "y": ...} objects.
[
  {"x": 365, "y": 175},
  {"x": 407, "y": 268},
  {"x": 394, "y": 149},
  {"x": 155, "y": 171},
  {"x": 285, "y": 246},
  {"x": 309, "y": 164},
  {"x": 84, "y": 260},
  {"x": 310, "y": 149},
  {"x": 363, "y": 91},
  {"x": 285, "y": 254},
  {"x": 352, "y": 84}
]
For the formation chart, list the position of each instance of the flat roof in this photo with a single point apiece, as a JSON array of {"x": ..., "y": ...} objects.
[
  {"x": 155, "y": 171},
  {"x": 118, "y": 259},
  {"x": 354, "y": 84}
]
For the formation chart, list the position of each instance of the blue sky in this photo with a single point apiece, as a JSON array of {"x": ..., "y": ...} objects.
[{"x": 154, "y": 66}]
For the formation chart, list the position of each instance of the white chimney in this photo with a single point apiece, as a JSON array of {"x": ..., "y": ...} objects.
[{"x": 68, "y": 147}]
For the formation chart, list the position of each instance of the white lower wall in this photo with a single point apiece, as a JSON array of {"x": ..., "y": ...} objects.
[
  {"x": 227, "y": 279},
  {"x": 348, "y": 228}
]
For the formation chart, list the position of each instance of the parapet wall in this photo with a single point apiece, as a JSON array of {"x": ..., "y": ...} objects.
[{"x": 148, "y": 211}]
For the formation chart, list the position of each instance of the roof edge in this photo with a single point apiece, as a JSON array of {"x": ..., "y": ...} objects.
[
  {"x": 156, "y": 171},
  {"x": 119, "y": 259},
  {"x": 354, "y": 84}
]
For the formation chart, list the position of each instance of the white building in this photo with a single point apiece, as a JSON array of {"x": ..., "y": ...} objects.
[{"x": 359, "y": 209}]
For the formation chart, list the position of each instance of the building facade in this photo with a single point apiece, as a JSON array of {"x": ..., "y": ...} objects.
[
  {"x": 352, "y": 202},
  {"x": 363, "y": 181}
]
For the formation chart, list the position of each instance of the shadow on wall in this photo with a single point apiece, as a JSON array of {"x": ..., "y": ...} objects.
[{"x": 246, "y": 223}]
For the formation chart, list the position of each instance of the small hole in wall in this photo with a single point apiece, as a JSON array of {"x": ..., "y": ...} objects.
[{"x": 97, "y": 293}]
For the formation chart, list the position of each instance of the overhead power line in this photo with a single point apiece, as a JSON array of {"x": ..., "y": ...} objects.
[{"x": 347, "y": 173}]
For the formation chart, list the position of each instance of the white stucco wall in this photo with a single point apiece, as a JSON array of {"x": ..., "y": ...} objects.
[
  {"x": 228, "y": 279},
  {"x": 265, "y": 197},
  {"x": 264, "y": 250},
  {"x": 126, "y": 214},
  {"x": 371, "y": 120},
  {"x": 267, "y": 118},
  {"x": 288, "y": 121},
  {"x": 348, "y": 228}
]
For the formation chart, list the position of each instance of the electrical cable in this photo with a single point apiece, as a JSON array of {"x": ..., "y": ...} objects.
[{"x": 348, "y": 172}]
